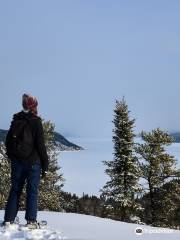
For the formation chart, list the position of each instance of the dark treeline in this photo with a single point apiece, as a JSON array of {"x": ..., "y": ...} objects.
[
  {"x": 90, "y": 205},
  {"x": 167, "y": 215}
]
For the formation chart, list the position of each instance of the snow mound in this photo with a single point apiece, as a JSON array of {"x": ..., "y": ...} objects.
[{"x": 18, "y": 232}]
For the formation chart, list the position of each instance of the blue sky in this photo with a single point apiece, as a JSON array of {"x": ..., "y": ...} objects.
[{"x": 77, "y": 57}]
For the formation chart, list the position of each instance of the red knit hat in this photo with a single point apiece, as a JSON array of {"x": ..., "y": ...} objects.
[{"x": 29, "y": 103}]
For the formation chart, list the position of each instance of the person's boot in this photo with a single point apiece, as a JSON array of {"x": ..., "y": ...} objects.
[
  {"x": 32, "y": 224},
  {"x": 6, "y": 223}
]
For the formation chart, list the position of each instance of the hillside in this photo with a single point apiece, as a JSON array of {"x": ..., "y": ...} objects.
[
  {"x": 62, "y": 143},
  {"x": 72, "y": 226}
]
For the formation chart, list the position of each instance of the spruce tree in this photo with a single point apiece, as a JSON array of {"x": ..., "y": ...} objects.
[
  {"x": 4, "y": 176},
  {"x": 157, "y": 166},
  {"x": 121, "y": 190},
  {"x": 50, "y": 193}
]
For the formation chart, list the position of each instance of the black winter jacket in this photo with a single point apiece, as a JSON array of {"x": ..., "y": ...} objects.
[{"x": 39, "y": 153}]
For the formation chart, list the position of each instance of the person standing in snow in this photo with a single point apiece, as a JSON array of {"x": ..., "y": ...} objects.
[{"x": 28, "y": 156}]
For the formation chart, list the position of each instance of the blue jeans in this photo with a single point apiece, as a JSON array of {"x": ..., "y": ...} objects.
[{"x": 19, "y": 174}]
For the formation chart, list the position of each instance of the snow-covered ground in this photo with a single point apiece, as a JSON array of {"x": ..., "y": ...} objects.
[{"x": 71, "y": 226}]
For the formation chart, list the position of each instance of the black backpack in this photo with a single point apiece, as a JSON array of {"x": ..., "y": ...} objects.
[{"x": 20, "y": 139}]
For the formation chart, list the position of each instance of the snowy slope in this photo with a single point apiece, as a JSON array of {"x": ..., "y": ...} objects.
[{"x": 82, "y": 227}]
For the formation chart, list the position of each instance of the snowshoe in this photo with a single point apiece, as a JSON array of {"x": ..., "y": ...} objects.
[
  {"x": 36, "y": 225},
  {"x": 42, "y": 224}
]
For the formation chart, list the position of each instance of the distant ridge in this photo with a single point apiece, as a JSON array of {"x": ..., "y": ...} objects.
[{"x": 62, "y": 143}]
